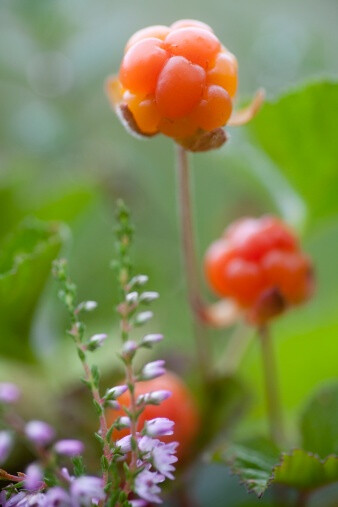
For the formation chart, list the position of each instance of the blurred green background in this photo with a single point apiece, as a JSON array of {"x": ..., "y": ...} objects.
[{"x": 65, "y": 159}]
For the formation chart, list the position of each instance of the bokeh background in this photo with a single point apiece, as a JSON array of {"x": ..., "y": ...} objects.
[{"x": 65, "y": 159}]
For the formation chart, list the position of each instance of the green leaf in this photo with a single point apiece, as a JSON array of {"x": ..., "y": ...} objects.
[
  {"x": 298, "y": 133},
  {"x": 319, "y": 422},
  {"x": 252, "y": 462},
  {"x": 25, "y": 264},
  {"x": 305, "y": 471},
  {"x": 259, "y": 465}
]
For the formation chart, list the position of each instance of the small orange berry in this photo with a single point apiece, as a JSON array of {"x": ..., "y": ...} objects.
[
  {"x": 144, "y": 111},
  {"x": 196, "y": 44},
  {"x": 224, "y": 72},
  {"x": 179, "y": 128},
  {"x": 156, "y": 31},
  {"x": 179, "y": 88},
  {"x": 142, "y": 65},
  {"x": 214, "y": 110},
  {"x": 187, "y": 23}
]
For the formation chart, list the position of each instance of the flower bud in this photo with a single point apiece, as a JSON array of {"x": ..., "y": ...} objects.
[
  {"x": 115, "y": 392},
  {"x": 158, "y": 427},
  {"x": 153, "y": 370},
  {"x": 153, "y": 398},
  {"x": 129, "y": 348},
  {"x": 96, "y": 341},
  {"x": 150, "y": 339},
  {"x": 87, "y": 306},
  {"x": 124, "y": 444},
  {"x": 143, "y": 317},
  {"x": 149, "y": 297},
  {"x": 122, "y": 423},
  {"x": 69, "y": 447},
  {"x": 138, "y": 281},
  {"x": 132, "y": 297}
]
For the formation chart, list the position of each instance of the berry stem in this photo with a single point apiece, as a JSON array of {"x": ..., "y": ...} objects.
[
  {"x": 272, "y": 394},
  {"x": 190, "y": 260}
]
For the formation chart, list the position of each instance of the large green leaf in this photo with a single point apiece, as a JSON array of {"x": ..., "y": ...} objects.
[
  {"x": 319, "y": 422},
  {"x": 299, "y": 133},
  {"x": 25, "y": 262},
  {"x": 258, "y": 465}
]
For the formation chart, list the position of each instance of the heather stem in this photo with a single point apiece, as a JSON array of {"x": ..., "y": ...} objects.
[
  {"x": 271, "y": 386},
  {"x": 190, "y": 260}
]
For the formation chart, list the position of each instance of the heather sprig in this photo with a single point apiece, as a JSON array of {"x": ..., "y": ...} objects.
[{"x": 133, "y": 465}]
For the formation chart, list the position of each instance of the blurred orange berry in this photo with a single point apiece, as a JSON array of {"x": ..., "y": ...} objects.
[{"x": 258, "y": 263}]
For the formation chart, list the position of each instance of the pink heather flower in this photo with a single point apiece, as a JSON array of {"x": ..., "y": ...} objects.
[
  {"x": 39, "y": 432},
  {"x": 9, "y": 393},
  {"x": 163, "y": 458},
  {"x": 86, "y": 490},
  {"x": 159, "y": 427},
  {"x": 124, "y": 444},
  {"x": 154, "y": 397},
  {"x": 138, "y": 503},
  {"x": 153, "y": 370},
  {"x": 151, "y": 339},
  {"x": 113, "y": 404},
  {"x": 33, "y": 480},
  {"x": 69, "y": 447},
  {"x": 26, "y": 500},
  {"x": 6, "y": 443},
  {"x": 146, "y": 485},
  {"x": 149, "y": 296},
  {"x": 57, "y": 497}
]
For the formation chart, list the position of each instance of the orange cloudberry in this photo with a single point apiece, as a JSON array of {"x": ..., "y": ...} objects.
[
  {"x": 179, "y": 81},
  {"x": 259, "y": 264}
]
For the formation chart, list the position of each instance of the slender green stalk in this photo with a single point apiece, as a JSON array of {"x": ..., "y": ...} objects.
[
  {"x": 272, "y": 394},
  {"x": 190, "y": 260}
]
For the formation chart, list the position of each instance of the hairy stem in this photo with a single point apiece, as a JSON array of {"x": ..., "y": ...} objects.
[
  {"x": 271, "y": 387},
  {"x": 190, "y": 259}
]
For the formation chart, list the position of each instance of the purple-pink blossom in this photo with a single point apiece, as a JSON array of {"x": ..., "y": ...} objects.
[
  {"x": 33, "y": 480},
  {"x": 6, "y": 443},
  {"x": 159, "y": 427},
  {"x": 39, "y": 432},
  {"x": 86, "y": 490},
  {"x": 146, "y": 485},
  {"x": 69, "y": 447},
  {"x": 9, "y": 393}
]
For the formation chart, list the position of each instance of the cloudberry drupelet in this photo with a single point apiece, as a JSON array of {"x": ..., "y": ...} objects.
[
  {"x": 259, "y": 264},
  {"x": 180, "y": 408},
  {"x": 177, "y": 80}
]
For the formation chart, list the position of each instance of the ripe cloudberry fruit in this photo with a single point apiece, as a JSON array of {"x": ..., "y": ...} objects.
[
  {"x": 179, "y": 407},
  {"x": 179, "y": 81},
  {"x": 259, "y": 264}
]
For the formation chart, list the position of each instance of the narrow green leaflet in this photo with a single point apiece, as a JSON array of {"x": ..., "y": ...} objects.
[
  {"x": 25, "y": 264},
  {"x": 259, "y": 465},
  {"x": 298, "y": 133},
  {"x": 319, "y": 422}
]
